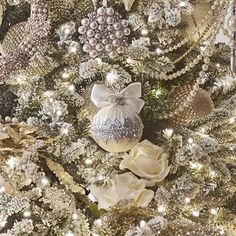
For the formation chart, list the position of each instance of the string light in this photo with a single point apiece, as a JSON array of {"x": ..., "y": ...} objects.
[
  {"x": 69, "y": 233},
  {"x": 75, "y": 216},
  {"x": 212, "y": 173},
  {"x": 161, "y": 208},
  {"x": 195, "y": 213},
  {"x": 98, "y": 222},
  {"x": 65, "y": 75},
  {"x": 187, "y": 200},
  {"x": 213, "y": 211},
  {"x": 2, "y": 189},
  {"x": 183, "y": 4},
  {"x": 44, "y": 181},
  {"x": 92, "y": 198},
  {"x": 144, "y": 31},
  {"x": 11, "y": 162},
  {"x": 129, "y": 60},
  {"x": 112, "y": 76},
  {"x": 168, "y": 132},
  {"x": 158, "y": 51},
  {"x": 71, "y": 87},
  {"x": 142, "y": 223},
  {"x": 196, "y": 165},
  {"x": 88, "y": 161},
  {"x": 190, "y": 140},
  {"x": 27, "y": 214},
  {"x": 231, "y": 120},
  {"x": 3, "y": 223}
]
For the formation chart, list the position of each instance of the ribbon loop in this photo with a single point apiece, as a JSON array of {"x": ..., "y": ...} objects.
[{"x": 130, "y": 96}]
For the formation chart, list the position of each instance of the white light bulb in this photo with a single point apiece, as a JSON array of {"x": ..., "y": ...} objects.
[
  {"x": 222, "y": 232},
  {"x": 161, "y": 208},
  {"x": 2, "y": 189},
  {"x": 144, "y": 31},
  {"x": 44, "y": 181},
  {"x": 112, "y": 76},
  {"x": 183, "y": 4},
  {"x": 212, "y": 173},
  {"x": 88, "y": 161},
  {"x": 190, "y": 140},
  {"x": 59, "y": 113},
  {"x": 213, "y": 211},
  {"x": 65, "y": 75},
  {"x": 142, "y": 223},
  {"x": 195, "y": 213},
  {"x": 98, "y": 222},
  {"x": 71, "y": 88},
  {"x": 67, "y": 31},
  {"x": 75, "y": 216},
  {"x": 91, "y": 197},
  {"x": 3, "y": 223},
  {"x": 187, "y": 200},
  {"x": 129, "y": 60},
  {"x": 168, "y": 132},
  {"x": 158, "y": 50},
  {"x": 72, "y": 49},
  {"x": 11, "y": 162},
  {"x": 231, "y": 120},
  {"x": 69, "y": 233},
  {"x": 27, "y": 214}
]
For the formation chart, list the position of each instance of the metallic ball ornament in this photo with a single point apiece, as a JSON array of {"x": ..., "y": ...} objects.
[
  {"x": 103, "y": 33},
  {"x": 114, "y": 136}
]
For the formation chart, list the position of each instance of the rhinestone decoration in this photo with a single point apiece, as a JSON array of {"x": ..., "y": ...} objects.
[
  {"x": 104, "y": 33},
  {"x": 113, "y": 136}
]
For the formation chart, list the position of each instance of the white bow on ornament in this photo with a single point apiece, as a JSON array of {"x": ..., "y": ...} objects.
[{"x": 130, "y": 96}]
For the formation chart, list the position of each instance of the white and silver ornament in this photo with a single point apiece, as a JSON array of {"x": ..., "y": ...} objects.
[
  {"x": 117, "y": 126},
  {"x": 103, "y": 33}
]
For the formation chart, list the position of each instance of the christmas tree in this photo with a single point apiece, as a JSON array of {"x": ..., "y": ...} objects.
[{"x": 117, "y": 118}]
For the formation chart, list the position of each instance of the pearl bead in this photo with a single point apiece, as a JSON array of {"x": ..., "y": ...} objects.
[
  {"x": 101, "y": 27},
  {"x": 101, "y": 19},
  {"x": 199, "y": 57},
  {"x": 110, "y": 20},
  {"x": 207, "y": 60},
  {"x": 110, "y": 11},
  {"x": 231, "y": 23},
  {"x": 104, "y": 41},
  {"x": 85, "y": 22},
  {"x": 120, "y": 50},
  {"x": 205, "y": 67},
  {"x": 92, "y": 42},
  {"x": 101, "y": 11},
  {"x": 82, "y": 30},
  {"x": 126, "y": 31},
  {"x": 112, "y": 36},
  {"x": 112, "y": 54},
  {"x": 117, "y": 26},
  {"x": 119, "y": 34},
  {"x": 110, "y": 27},
  {"x": 108, "y": 47},
  {"x": 99, "y": 47},
  {"x": 90, "y": 33},
  {"x": 93, "y": 53},
  {"x": 93, "y": 25},
  {"x": 115, "y": 42},
  {"x": 124, "y": 23},
  {"x": 97, "y": 36},
  {"x": 86, "y": 48}
]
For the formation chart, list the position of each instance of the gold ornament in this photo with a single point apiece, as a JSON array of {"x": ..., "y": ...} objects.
[
  {"x": 201, "y": 105},
  {"x": 14, "y": 37},
  {"x": 128, "y": 4}
]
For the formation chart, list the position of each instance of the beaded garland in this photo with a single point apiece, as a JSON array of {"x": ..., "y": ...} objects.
[
  {"x": 38, "y": 29},
  {"x": 103, "y": 33}
]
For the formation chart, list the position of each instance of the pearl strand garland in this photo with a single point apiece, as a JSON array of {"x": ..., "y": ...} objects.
[
  {"x": 38, "y": 28},
  {"x": 200, "y": 80},
  {"x": 203, "y": 22}
]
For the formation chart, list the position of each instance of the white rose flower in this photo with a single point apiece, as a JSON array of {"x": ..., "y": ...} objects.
[
  {"x": 122, "y": 187},
  {"x": 148, "y": 161}
]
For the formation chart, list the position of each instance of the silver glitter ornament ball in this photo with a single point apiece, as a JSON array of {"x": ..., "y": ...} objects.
[
  {"x": 115, "y": 136},
  {"x": 103, "y": 33}
]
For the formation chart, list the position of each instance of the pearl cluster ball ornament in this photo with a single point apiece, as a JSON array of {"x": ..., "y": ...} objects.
[{"x": 103, "y": 33}]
